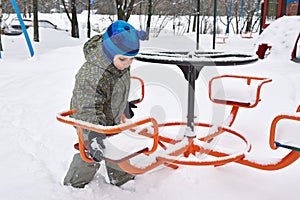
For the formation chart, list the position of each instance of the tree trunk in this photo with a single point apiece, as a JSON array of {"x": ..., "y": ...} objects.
[
  {"x": 1, "y": 48},
  {"x": 120, "y": 10},
  {"x": 66, "y": 10},
  {"x": 149, "y": 18},
  {"x": 249, "y": 25},
  {"x": 75, "y": 28},
  {"x": 124, "y": 9},
  {"x": 191, "y": 11},
  {"x": 88, "y": 20},
  {"x": 35, "y": 21},
  {"x": 194, "y": 23},
  {"x": 29, "y": 11},
  {"x": 129, "y": 9},
  {"x": 24, "y": 10},
  {"x": 73, "y": 20}
]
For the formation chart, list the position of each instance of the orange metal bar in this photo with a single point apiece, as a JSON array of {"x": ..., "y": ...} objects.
[
  {"x": 298, "y": 109},
  {"x": 160, "y": 138},
  {"x": 143, "y": 88},
  {"x": 171, "y": 165},
  {"x": 220, "y": 131},
  {"x": 190, "y": 149},
  {"x": 193, "y": 149},
  {"x": 233, "y": 112},
  {"x": 142, "y": 94},
  {"x": 129, "y": 168},
  {"x": 62, "y": 117},
  {"x": 274, "y": 124},
  {"x": 82, "y": 147},
  {"x": 284, "y": 162}
]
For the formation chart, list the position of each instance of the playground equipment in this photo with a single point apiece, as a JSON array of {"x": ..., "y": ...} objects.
[
  {"x": 295, "y": 55},
  {"x": 16, "y": 8},
  {"x": 139, "y": 147},
  {"x": 286, "y": 139},
  {"x": 246, "y": 35},
  {"x": 221, "y": 39}
]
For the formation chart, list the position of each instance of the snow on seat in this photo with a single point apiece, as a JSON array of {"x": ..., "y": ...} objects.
[
  {"x": 286, "y": 131},
  {"x": 125, "y": 145},
  {"x": 236, "y": 90},
  {"x": 122, "y": 142}
]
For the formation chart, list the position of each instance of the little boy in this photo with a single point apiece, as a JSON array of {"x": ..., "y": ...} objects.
[{"x": 100, "y": 96}]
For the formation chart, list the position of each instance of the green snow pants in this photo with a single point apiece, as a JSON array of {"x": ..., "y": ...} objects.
[{"x": 81, "y": 173}]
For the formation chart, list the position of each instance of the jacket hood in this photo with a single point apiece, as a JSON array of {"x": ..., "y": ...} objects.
[
  {"x": 93, "y": 51},
  {"x": 94, "y": 54}
]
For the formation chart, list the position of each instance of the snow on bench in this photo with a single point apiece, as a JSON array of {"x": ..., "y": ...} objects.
[
  {"x": 234, "y": 90},
  {"x": 288, "y": 132},
  {"x": 125, "y": 145}
]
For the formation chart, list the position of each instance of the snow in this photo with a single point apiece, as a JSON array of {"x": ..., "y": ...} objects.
[
  {"x": 286, "y": 136},
  {"x": 36, "y": 149},
  {"x": 195, "y": 56},
  {"x": 116, "y": 148},
  {"x": 235, "y": 89},
  {"x": 142, "y": 161}
]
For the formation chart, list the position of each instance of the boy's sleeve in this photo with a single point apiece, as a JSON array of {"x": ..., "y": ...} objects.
[
  {"x": 88, "y": 98},
  {"x": 100, "y": 99}
]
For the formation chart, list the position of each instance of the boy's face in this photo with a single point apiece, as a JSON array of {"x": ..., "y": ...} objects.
[{"x": 122, "y": 62}]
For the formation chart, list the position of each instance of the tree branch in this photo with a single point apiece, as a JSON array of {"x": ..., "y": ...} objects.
[{"x": 66, "y": 10}]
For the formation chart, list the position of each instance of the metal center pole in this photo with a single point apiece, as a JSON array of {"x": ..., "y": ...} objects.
[
  {"x": 198, "y": 24},
  {"x": 215, "y": 24},
  {"x": 191, "y": 97}
]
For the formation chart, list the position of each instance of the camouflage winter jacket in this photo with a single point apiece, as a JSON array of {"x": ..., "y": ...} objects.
[{"x": 101, "y": 90}]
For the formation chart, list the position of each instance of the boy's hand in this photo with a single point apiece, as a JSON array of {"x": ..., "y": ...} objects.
[
  {"x": 128, "y": 110},
  {"x": 95, "y": 148}
]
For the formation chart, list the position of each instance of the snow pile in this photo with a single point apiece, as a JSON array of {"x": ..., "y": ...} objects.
[{"x": 281, "y": 35}]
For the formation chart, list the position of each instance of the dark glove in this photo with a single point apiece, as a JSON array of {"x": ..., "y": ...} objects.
[
  {"x": 95, "y": 148},
  {"x": 128, "y": 110}
]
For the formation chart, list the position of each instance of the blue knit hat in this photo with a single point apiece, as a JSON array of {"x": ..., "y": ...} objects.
[{"x": 123, "y": 39}]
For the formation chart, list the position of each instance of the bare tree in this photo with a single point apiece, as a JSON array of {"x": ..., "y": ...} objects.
[
  {"x": 73, "y": 20},
  {"x": 191, "y": 12},
  {"x": 35, "y": 21},
  {"x": 250, "y": 9},
  {"x": 206, "y": 11},
  {"x": 88, "y": 20},
  {"x": 124, "y": 9},
  {"x": 149, "y": 18},
  {"x": 167, "y": 10},
  {"x": 24, "y": 8}
]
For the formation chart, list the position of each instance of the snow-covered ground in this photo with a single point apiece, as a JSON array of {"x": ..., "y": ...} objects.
[{"x": 36, "y": 149}]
